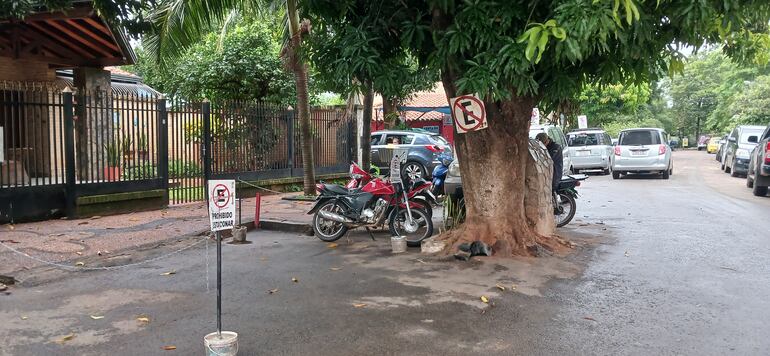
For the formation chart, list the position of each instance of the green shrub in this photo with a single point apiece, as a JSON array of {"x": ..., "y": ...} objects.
[
  {"x": 178, "y": 168},
  {"x": 141, "y": 171}
]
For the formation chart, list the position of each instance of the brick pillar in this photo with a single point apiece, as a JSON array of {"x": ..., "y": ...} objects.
[{"x": 93, "y": 122}]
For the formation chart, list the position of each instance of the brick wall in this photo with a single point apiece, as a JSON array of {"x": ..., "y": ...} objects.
[{"x": 25, "y": 70}]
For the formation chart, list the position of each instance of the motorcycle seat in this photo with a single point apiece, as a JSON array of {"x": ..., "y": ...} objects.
[{"x": 338, "y": 189}]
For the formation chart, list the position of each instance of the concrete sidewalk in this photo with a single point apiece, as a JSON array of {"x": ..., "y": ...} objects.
[{"x": 68, "y": 241}]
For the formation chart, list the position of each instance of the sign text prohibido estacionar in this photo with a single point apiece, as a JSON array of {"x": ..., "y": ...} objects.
[{"x": 221, "y": 204}]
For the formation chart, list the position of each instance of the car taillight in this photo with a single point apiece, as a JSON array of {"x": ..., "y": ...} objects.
[
  {"x": 617, "y": 150},
  {"x": 662, "y": 150},
  {"x": 434, "y": 148},
  {"x": 767, "y": 153},
  {"x": 577, "y": 184}
]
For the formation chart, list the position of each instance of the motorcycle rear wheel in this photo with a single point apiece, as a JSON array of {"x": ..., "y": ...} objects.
[
  {"x": 327, "y": 230},
  {"x": 568, "y": 207},
  {"x": 398, "y": 226}
]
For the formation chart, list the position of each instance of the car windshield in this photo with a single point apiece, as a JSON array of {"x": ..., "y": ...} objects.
[
  {"x": 748, "y": 133},
  {"x": 637, "y": 138},
  {"x": 584, "y": 139}
]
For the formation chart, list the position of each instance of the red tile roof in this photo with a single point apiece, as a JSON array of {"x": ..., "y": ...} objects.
[{"x": 423, "y": 99}]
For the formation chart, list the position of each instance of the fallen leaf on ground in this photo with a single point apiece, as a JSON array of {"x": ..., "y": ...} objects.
[
  {"x": 272, "y": 291},
  {"x": 97, "y": 317},
  {"x": 359, "y": 305},
  {"x": 79, "y": 264},
  {"x": 500, "y": 287},
  {"x": 23, "y": 317},
  {"x": 83, "y": 233},
  {"x": 294, "y": 279},
  {"x": 168, "y": 273},
  {"x": 67, "y": 338},
  {"x": 83, "y": 223},
  {"x": 332, "y": 245},
  {"x": 3, "y": 287},
  {"x": 513, "y": 286},
  {"x": 626, "y": 254},
  {"x": 335, "y": 268},
  {"x": 169, "y": 347},
  {"x": 589, "y": 318},
  {"x": 79, "y": 253},
  {"x": 9, "y": 241},
  {"x": 11, "y": 227},
  {"x": 133, "y": 219},
  {"x": 484, "y": 299},
  {"x": 95, "y": 217},
  {"x": 143, "y": 319}
]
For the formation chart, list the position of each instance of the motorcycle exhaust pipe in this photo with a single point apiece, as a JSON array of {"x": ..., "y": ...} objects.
[{"x": 334, "y": 217}]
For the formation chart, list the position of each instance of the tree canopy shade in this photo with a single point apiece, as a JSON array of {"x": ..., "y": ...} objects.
[
  {"x": 515, "y": 54},
  {"x": 243, "y": 64}
]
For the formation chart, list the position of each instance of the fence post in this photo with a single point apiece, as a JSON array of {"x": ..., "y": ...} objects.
[
  {"x": 70, "y": 195},
  {"x": 290, "y": 121},
  {"x": 162, "y": 123},
  {"x": 206, "y": 116}
]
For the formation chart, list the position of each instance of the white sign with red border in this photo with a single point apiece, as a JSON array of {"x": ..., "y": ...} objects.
[
  {"x": 582, "y": 122},
  {"x": 221, "y": 194},
  {"x": 469, "y": 113}
]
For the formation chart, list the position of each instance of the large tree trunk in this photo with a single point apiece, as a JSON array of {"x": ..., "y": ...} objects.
[
  {"x": 366, "y": 132},
  {"x": 389, "y": 112},
  {"x": 507, "y": 191},
  {"x": 299, "y": 69}
]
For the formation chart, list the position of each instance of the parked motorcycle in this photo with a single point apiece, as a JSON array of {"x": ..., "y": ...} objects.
[
  {"x": 439, "y": 174},
  {"x": 418, "y": 189},
  {"x": 564, "y": 198},
  {"x": 374, "y": 204}
]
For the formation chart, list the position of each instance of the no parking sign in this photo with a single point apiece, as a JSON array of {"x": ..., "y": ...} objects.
[
  {"x": 469, "y": 113},
  {"x": 221, "y": 204}
]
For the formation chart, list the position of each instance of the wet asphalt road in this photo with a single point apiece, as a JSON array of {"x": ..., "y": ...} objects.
[{"x": 662, "y": 267}]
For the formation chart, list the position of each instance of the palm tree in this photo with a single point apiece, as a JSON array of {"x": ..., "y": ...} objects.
[{"x": 178, "y": 24}]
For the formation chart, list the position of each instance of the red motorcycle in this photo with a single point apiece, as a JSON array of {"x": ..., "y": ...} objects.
[
  {"x": 374, "y": 204},
  {"x": 418, "y": 190}
]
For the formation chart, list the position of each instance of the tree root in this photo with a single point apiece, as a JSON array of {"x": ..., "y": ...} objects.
[{"x": 503, "y": 243}]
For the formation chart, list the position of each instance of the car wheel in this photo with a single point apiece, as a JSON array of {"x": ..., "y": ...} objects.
[
  {"x": 759, "y": 190},
  {"x": 607, "y": 171},
  {"x": 412, "y": 170},
  {"x": 615, "y": 175},
  {"x": 666, "y": 174},
  {"x": 726, "y": 168},
  {"x": 749, "y": 182},
  {"x": 733, "y": 173}
]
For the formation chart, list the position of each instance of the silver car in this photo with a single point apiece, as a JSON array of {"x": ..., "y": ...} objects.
[
  {"x": 643, "y": 150},
  {"x": 557, "y": 135},
  {"x": 590, "y": 149}
]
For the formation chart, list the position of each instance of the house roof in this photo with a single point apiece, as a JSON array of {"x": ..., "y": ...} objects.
[
  {"x": 428, "y": 105},
  {"x": 71, "y": 38}
]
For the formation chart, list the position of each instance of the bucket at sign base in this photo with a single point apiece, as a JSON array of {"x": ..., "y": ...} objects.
[
  {"x": 398, "y": 244},
  {"x": 224, "y": 345}
]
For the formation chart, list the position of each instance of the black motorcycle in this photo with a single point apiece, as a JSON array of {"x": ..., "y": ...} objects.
[{"x": 564, "y": 199}]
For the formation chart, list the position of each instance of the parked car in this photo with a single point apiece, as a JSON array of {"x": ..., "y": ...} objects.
[
  {"x": 703, "y": 142},
  {"x": 590, "y": 149},
  {"x": 758, "y": 175},
  {"x": 713, "y": 145},
  {"x": 425, "y": 150},
  {"x": 721, "y": 149},
  {"x": 557, "y": 135},
  {"x": 740, "y": 143},
  {"x": 642, "y": 150}
]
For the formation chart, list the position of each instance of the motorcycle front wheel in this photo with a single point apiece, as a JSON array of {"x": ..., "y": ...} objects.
[
  {"x": 419, "y": 229},
  {"x": 328, "y": 230},
  {"x": 566, "y": 207}
]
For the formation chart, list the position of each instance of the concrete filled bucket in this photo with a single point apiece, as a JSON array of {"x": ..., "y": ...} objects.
[
  {"x": 225, "y": 344},
  {"x": 398, "y": 244}
]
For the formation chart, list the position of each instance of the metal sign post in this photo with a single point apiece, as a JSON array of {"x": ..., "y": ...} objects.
[{"x": 221, "y": 196}]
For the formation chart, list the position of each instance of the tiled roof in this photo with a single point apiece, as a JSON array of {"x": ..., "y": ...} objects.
[
  {"x": 423, "y": 99},
  {"x": 119, "y": 71}
]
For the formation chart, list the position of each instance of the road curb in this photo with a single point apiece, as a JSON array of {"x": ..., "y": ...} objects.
[{"x": 281, "y": 225}]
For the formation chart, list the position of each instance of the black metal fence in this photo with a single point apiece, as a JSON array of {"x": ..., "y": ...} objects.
[{"x": 57, "y": 146}]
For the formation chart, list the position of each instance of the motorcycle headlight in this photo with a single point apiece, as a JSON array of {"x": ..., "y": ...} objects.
[
  {"x": 454, "y": 169},
  {"x": 742, "y": 153}
]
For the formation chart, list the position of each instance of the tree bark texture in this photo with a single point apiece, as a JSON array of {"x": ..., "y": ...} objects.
[
  {"x": 389, "y": 112},
  {"x": 507, "y": 189},
  {"x": 299, "y": 69},
  {"x": 366, "y": 132}
]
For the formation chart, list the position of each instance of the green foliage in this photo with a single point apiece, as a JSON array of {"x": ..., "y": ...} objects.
[
  {"x": 112, "y": 154},
  {"x": 141, "y": 143},
  {"x": 126, "y": 145},
  {"x": 144, "y": 170},
  {"x": 752, "y": 105},
  {"x": 245, "y": 65},
  {"x": 178, "y": 168},
  {"x": 603, "y": 104}
]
